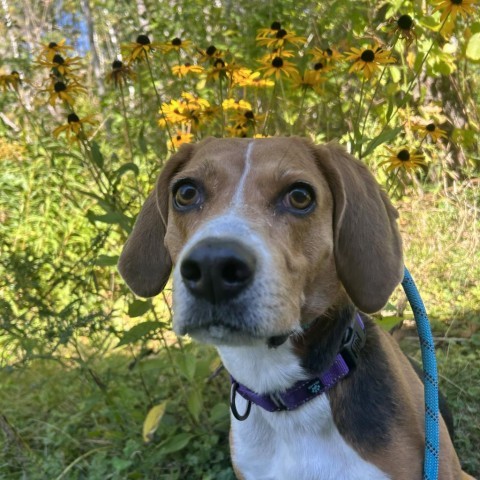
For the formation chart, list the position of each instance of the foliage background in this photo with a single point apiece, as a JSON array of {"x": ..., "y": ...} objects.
[{"x": 83, "y": 361}]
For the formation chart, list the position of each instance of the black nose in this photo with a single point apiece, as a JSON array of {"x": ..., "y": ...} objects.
[{"x": 218, "y": 270}]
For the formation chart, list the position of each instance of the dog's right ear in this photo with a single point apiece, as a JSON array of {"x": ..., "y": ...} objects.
[{"x": 145, "y": 263}]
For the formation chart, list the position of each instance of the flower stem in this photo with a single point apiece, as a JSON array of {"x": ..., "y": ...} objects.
[{"x": 125, "y": 120}]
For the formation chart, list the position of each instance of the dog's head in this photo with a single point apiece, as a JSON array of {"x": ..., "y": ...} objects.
[{"x": 263, "y": 235}]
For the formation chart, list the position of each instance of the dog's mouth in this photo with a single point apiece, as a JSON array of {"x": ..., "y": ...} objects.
[{"x": 218, "y": 334}]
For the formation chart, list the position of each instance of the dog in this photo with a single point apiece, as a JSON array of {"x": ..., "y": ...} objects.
[{"x": 280, "y": 249}]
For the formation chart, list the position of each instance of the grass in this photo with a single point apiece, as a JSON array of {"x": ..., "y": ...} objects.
[{"x": 83, "y": 420}]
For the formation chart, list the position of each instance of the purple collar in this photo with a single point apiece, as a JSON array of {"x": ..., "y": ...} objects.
[{"x": 306, "y": 390}]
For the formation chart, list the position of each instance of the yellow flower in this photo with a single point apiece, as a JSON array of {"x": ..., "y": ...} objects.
[
  {"x": 430, "y": 130},
  {"x": 188, "y": 110},
  {"x": 405, "y": 27},
  {"x": 237, "y": 130},
  {"x": 277, "y": 66},
  {"x": 120, "y": 73},
  {"x": 11, "y": 80},
  {"x": 269, "y": 32},
  {"x": 139, "y": 49},
  {"x": 175, "y": 45},
  {"x": 231, "y": 104},
  {"x": 280, "y": 39},
  {"x": 368, "y": 60},
  {"x": 210, "y": 54},
  {"x": 62, "y": 91},
  {"x": 453, "y": 8},
  {"x": 61, "y": 66},
  {"x": 49, "y": 50},
  {"x": 74, "y": 129},
  {"x": 311, "y": 79},
  {"x": 329, "y": 54},
  {"x": 402, "y": 157},
  {"x": 179, "y": 138},
  {"x": 183, "y": 70}
]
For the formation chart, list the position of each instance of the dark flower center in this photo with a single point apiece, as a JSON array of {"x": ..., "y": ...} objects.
[
  {"x": 58, "y": 59},
  {"x": 277, "y": 62},
  {"x": 367, "y": 56},
  {"x": 403, "y": 155},
  {"x": 211, "y": 50},
  {"x": 176, "y": 42},
  {"x": 143, "y": 40},
  {"x": 281, "y": 33},
  {"x": 318, "y": 66},
  {"x": 219, "y": 63},
  {"x": 73, "y": 117},
  {"x": 14, "y": 72},
  {"x": 59, "y": 87},
  {"x": 52, "y": 45},
  {"x": 430, "y": 127},
  {"x": 329, "y": 52},
  {"x": 188, "y": 64},
  {"x": 117, "y": 64},
  {"x": 457, "y": 2},
  {"x": 249, "y": 114},
  {"x": 179, "y": 137},
  {"x": 405, "y": 22},
  {"x": 276, "y": 26}
]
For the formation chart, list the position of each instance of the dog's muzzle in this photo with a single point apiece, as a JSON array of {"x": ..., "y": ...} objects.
[{"x": 217, "y": 270}]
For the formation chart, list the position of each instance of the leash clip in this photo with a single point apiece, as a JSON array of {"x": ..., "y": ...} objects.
[
  {"x": 353, "y": 342},
  {"x": 233, "y": 406}
]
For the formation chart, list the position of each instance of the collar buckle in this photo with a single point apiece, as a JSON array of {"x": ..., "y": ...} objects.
[{"x": 353, "y": 342}]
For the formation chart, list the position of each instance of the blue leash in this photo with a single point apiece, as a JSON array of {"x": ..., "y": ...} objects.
[{"x": 432, "y": 436}]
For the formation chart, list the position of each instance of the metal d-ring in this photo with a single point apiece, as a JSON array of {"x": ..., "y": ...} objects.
[{"x": 233, "y": 406}]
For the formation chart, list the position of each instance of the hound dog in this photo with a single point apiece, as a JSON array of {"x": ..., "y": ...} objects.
[{"x": 279, "y": 250}]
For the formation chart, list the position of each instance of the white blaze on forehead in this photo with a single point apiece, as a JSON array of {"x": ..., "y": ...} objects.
[{"x": 238, "y": 198}]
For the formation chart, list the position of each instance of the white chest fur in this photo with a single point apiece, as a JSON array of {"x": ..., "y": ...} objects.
[{"x": 300, "y": 445}]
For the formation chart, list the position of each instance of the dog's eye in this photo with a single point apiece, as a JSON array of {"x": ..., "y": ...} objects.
[
  {"x": 299, "y": 198},
  {"x": 186, "y": 195}
]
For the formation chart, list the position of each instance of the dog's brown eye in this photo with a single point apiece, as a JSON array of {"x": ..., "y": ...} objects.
[
  {"x": 300, "y": 198},
  {"x": 186, "y": 195}
]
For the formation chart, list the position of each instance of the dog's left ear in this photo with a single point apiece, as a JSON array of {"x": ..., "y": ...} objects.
[
  {"x": 145, "y": 263},
  {"x": 368, "y": 246}
]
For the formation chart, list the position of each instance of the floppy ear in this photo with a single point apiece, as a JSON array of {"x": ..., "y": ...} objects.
[
  {"x": 368, "y": 246},
  {"x": 145, "y": 263}
]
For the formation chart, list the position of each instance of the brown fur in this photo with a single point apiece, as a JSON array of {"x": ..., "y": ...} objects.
[{"x": 349, "y": 247}]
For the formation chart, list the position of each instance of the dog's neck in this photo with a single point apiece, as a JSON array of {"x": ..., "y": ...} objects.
[{"x": 264, "y": 369}]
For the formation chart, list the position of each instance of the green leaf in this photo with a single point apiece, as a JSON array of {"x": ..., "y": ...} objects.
[
  {"x": 387, "y": 323},
  {"x": 381, "y": 139},
  {"x": 195, "y": 403},
  {"x": 176, "y": 443},
  {"x": 138, "y": 308},
  {"x": 106, "y": 260},
  {"x": 111, "y": 218},
  {"x": 127, "y": 167},
  {"x": 473, "y": 47},
  {"x": 138, "y": 332},
  {"x": 97, "y": 155},
  {"x": 142, "y": 142},
  {"x": 187, "y": 365}
]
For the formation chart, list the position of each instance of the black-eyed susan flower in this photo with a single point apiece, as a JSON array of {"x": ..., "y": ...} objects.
[
  {"x": 278, "y": 66},
  {"x": 244, "y": 77},
  {"x": 175, "y": 45},
  {"x": 331, "y": 55},
  {"x": 311, "y": 79},
  {"x": 403, "y": 157},
  {"x": 209, "y": 54},
  {"x": 61, "y": 66},
  {"x": 74, "y": 129},
  {"x": 185, "y": 69},
  {"x": 280, "y": 39},
  {"x": 188, "y": 110},
  {"x": 368, "y": 60},
  {"x": 218, "y": 70},
  {"x": 452, "y": 8},
  {"x": 430, "y": 130},
  {"x": 179, "y": 138},
  {"x": 405, "y": 27},
  {"x": 120, "y": 74},
  {"x": 232, "y": 104},
  {"x": 139, "y": 49},
  {"x": 237, "y": 130},
  {"x": 60, "y": 90},
  {"x": 10, "y": 81},
  {"x": 49, "y": 50},
  {"x": 269, "y": 32}
]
